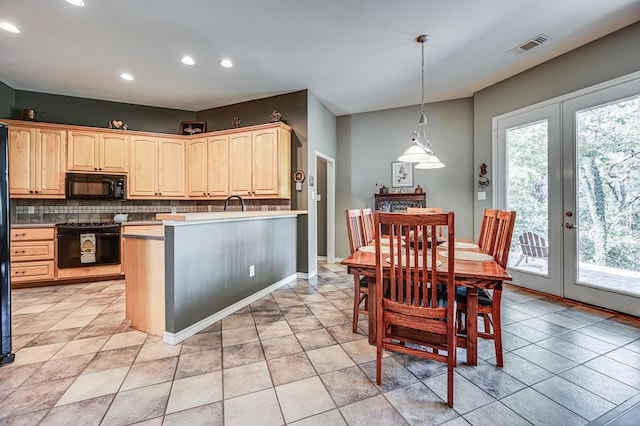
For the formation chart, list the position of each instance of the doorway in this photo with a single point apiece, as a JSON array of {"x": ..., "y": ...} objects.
[
  {"x": 325, "y": 200},
  {"x": 571, "y": 170}
]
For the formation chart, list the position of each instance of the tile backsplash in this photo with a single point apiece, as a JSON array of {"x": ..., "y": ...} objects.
[{"x": 56, "y": 211}]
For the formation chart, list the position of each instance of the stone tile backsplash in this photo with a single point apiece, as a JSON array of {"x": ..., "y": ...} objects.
[{"x": 56, "y": 211}]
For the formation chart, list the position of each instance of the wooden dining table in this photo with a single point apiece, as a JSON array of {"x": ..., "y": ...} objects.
[{"x": 472, "y": 274}]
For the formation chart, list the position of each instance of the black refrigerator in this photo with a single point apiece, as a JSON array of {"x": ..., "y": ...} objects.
[{"x": 5, "y": 284}]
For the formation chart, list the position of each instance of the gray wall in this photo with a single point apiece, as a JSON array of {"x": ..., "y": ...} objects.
[
  {"x": 96, "y": 113},
  {"x": 7, "y": 100},
  {"x": 322, "y": 138},
  {"x": 208, "y": 264},
  {"x": 368, "y": 143},
  {"x": 612, "y": 56}
]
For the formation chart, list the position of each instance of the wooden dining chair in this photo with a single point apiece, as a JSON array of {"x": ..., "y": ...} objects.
[
  {"x": 415, "y": 303},
  {"x": 489, "y": 301},
  {"x": 367, "y": 225},
  {"x": 360, "y": 284}
]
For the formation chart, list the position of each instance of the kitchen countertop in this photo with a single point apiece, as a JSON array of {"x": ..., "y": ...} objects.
[
  {"x": 51, "y": 225},
  {"x": 233, "y": 215}
]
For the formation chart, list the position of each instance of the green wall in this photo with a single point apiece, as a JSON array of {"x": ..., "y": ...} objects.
[
  {"x": 96, "y": 113},
  {"x": 7, "y": 100}
]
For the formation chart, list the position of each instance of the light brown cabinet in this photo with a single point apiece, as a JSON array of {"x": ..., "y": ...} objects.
[
  {"x": 208, "y": 167},
  {"x": 89, "y": 151},
  {"x": 157, "y": 168},
  {"x": 36, "y": 162},
  {"x": 259, "y": 163},
  {"x": 32, "y": 254}
]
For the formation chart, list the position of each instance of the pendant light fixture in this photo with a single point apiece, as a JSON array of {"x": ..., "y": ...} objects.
[{"x": 420, "y": 150}]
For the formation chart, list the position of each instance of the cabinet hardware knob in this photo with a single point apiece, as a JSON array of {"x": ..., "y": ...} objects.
[{"x": 20, "y": 235}]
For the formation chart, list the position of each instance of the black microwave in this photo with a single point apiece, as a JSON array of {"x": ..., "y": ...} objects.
[{"x": 80, "y": 185}]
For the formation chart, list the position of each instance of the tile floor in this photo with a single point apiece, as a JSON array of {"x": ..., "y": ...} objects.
[{"x": 291, "y": 358}]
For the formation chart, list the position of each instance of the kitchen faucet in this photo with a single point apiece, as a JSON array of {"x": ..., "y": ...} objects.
[{"x": 226, "y": 202}]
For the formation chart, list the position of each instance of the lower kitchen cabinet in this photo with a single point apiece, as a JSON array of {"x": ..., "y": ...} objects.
[{"x": 32, "y": 254}]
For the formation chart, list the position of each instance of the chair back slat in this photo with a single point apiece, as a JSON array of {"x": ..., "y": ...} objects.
[
  {"x": 504, "y": 223},
  {"x": 354, "y": 229},
  {"x": 368, "y": 231},
  {"x": 488, "y": 230},
  {"x": 427, "y": 210}
]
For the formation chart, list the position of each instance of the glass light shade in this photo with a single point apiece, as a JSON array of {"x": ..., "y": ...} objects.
[
  {"x": 432, "y": 163},
  {"x": 414, "y": 154}
]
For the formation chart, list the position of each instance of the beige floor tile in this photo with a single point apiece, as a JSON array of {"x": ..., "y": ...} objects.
[
  {"x": 237, "y": 321},
  {"x": 150, "y": 373},
  {"x": 138, "y": 405},
  {"x": 72, "y": 322},
  {"x": 273, "y": 329},
  {"x": 66, "y": 305},
  {"x": 329, "y": 358},
  {"x": 333, "y": 418},
  {"x": 263, "y": 402},
  {"x": 92, "y": 385},
  {"x": 87, "y": 412},
  {"x": 81, "y": 346},
  {"x": 28, "y": 399},
  {"x": 210, "y": 415},
  {"x": 194, "y": 391},
  {"x": 303, "y": 398},
  {"x": 32, "y": 309},
  {"x": 88, "y": 310},
  {"x": 194, "y": 363},
  {"x": 290, "y": 368},
  {"x": 236, "y": 336},
  {"x": 373, "y": 411},
  {"x": 121, "y": 340},
  {"x": 360, "y": 351},
  {"x": 157, "y": 350},
  {"x": 36, "y": 353},
  {"x": 62, "y": 368},
  {"x": 246, "y": 379}
]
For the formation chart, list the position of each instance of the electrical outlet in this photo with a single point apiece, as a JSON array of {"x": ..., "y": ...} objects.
[
  {"x": 252, "y": 270},
  {"x": 31, "y": 209}
]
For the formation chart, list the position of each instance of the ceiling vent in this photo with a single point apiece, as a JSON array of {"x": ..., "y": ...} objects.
[{"x": 528, "y": 45}]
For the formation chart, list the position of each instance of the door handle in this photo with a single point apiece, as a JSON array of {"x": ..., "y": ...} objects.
[{"x": 569, "y": 225}]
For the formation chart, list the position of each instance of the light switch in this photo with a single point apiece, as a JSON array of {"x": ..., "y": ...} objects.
[
  {"x": 482, "y": 195},
  {"x": 298, "y": 186},
  {"x": 319, "y": 197}
]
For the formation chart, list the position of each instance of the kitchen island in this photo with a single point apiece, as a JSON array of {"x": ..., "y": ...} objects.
[{"x": 201, "y": 267}]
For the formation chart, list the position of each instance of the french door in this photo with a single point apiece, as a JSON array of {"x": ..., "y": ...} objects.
[{"x": 571, "y": 169}]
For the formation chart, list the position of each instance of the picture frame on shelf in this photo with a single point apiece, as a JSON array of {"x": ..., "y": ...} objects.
[
  {"x": 401, "y": 174},
  {"x": 190, "y": 128}
]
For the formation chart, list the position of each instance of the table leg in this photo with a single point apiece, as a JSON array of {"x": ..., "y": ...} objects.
[
  {"x": 372, "y": 310},
  {"x": 472, "y": 325}
]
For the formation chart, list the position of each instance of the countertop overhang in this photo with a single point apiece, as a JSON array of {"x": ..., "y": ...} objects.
[{"x": 178, "y": 218}]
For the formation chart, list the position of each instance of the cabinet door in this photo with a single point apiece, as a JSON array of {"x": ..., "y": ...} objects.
[
  {"x": 265, "y": 162},
  {"x": 113, "y": 153},
  {"x": 240, "y": 164},
  {"x": 82, "y": 151},
  {"x": 50, "y": 164},
  {"x": 21, "y": 160},
  {"x": 171, "y": 168},
  {"x": 143, "y": 178},
  {"x": 218, "y": 162},
  {"x": 197, "y": 167}
]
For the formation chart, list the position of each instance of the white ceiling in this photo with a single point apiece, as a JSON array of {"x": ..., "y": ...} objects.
[{"x": 355, "y": 55}]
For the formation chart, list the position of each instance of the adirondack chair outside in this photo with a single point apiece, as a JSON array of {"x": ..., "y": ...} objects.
[{"x": 533, "y": 246}]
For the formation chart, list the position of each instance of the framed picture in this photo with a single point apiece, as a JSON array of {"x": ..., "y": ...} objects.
[
  {"x": 193, "y": 127},
  {"x": 401, "y": 174}
]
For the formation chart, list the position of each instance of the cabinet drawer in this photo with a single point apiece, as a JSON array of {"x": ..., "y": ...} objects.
[
  {"x": 27, "y": 234},
  {"x": 31, "y": 250},
  {"x": 31, "y": 271}
]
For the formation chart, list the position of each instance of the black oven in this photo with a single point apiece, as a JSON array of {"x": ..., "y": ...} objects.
[{"x": 88, "y": 244}]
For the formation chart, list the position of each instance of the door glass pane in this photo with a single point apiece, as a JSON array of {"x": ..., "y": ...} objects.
[
  {"x": 608, "y": 199},
  {"x": 528, "y": 194}
]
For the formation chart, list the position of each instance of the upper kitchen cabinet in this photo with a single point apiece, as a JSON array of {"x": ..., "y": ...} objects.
[
  {"x": 260, "y": 163},
  {"x": 208, "y": 167},
  {"x": 89, "y": 151},
  {"x": 36, "y": 162},
  {"x": 157, "y": 168}
]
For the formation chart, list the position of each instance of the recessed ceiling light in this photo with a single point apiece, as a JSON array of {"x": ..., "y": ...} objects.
[
  {"x": 8, "y": 26},
  {"x": 126, "y": 76},
  {"x": 76, "y": 2},
  {"x": 226, "y": 63},
  {"x": 187, "y": 60}
]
